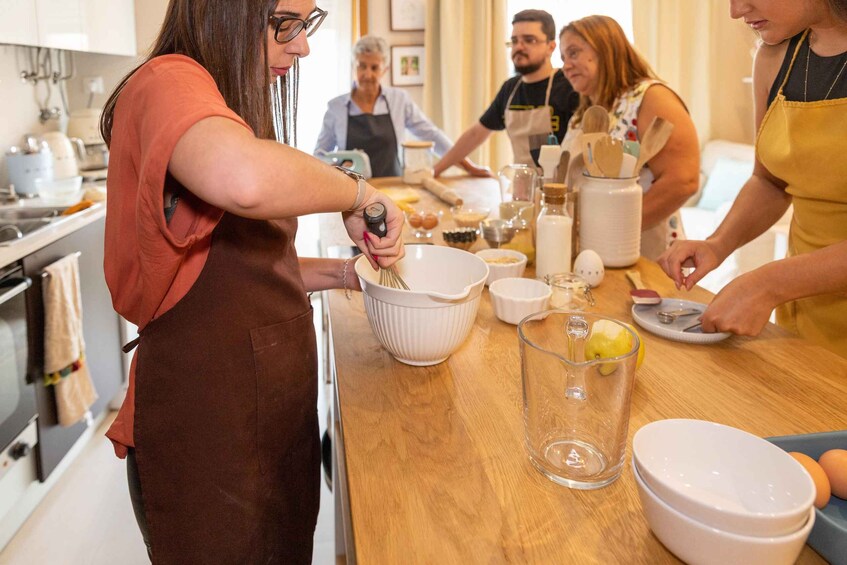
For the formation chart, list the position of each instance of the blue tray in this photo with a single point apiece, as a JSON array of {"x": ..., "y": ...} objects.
[{"x": 829, "y": 536}]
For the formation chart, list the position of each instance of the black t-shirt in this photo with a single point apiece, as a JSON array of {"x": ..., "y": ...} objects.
[
  {"x": 823, "y": 73},
  {"x": 528, "y": 96}
]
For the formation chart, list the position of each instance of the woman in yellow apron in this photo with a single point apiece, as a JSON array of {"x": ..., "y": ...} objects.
[{"x": 802, "y": 68}]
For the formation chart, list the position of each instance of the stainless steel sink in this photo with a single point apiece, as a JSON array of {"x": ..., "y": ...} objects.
[
  {"x": 10, "y": 232},
  {"x": 16, "y": 214}
]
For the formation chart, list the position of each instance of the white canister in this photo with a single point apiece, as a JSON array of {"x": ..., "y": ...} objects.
[
  {"x": 610, "y": 219},
  {"x": 418, "y": 161}
]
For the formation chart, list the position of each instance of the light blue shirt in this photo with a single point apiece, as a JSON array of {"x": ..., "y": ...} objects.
[{"x": 405, "y": 114}]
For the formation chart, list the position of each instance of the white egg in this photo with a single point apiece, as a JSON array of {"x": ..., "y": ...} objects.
[{"x": 589, "y": 266}]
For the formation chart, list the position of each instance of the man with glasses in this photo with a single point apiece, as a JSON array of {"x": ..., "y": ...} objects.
[{"x": 534, "y": 106}]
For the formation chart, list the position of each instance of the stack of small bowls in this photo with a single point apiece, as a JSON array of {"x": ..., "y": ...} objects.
[{"x": 716, "y": 494}]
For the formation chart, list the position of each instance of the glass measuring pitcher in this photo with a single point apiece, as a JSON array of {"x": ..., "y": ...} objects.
[
  {"x": 578, "y": 372},
  {"x": 517, "y": 183}
]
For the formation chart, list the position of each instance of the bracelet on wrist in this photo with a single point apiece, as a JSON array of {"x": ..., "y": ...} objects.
[{"x": 347, "y": 293}]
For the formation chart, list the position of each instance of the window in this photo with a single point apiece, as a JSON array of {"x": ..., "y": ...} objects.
[
  {"x": 565, "y": 11},
  {"x": 326, "y": 72}
]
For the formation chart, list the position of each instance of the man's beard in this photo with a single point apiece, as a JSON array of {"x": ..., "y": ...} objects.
[{"x": 528, "y": 68}]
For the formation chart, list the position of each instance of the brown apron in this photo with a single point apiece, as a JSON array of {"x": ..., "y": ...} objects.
[{"x": 226, "y": 427}]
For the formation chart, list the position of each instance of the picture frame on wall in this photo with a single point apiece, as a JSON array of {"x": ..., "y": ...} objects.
[
  {"x": 407, "y": 15},
  {"x": 407, "y": 65}
]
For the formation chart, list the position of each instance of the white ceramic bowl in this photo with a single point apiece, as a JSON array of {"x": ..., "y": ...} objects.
[
  {"x": 514, "y": 299},
  {"x": 60, "y": 192},
  {"x": 424, "y": 325},
  {"x": 497, "y": 271},
  {"x": 699, "y": 544},
  {"x": 724, "y": 477}
]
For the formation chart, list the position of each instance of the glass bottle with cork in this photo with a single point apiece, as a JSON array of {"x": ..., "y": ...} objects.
[{"x": 554, "y": 230}]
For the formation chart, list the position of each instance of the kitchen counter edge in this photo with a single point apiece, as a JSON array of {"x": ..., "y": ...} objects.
[{"x": 46, "y": 236}]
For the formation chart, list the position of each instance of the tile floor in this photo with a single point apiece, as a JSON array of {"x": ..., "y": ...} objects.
[{"x": 87, "y": 518}]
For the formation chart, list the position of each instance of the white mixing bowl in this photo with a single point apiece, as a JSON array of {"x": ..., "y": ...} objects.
[
  {"x": 699, "y": 544},
  {"x": 724, "y": 477},
  {"x": 424, "y": 325}
]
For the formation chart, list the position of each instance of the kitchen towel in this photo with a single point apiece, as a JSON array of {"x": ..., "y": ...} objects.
[
  {"x": 448, "y": 195},
  {"x": 64, "y": 347}
]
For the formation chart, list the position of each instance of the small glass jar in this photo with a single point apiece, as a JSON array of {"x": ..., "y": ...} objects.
[
  {"x": 570, "y": 292},
  {"x": 418, "y": 161}
]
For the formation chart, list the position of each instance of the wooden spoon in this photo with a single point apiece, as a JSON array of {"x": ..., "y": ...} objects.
[
  {"x": 589, "y": 143},
  {"x": 608, "y": 153},
  {"x": 562, "y": 168},
  {"x": 653, "y": 140},
  {"x": 595, "y": 120}
]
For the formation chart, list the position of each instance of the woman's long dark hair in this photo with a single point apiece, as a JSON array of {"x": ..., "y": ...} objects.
[{"x": 229, "y": 39}]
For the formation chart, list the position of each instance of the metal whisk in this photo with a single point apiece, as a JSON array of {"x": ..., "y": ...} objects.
[{"x": 375, "y": 220}]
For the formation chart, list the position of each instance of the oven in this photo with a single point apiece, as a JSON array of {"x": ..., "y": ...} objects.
[{"x": 17, "y": 394}]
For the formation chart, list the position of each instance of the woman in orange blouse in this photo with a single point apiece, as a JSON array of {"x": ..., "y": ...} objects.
[{"x": 220, "y": 421}]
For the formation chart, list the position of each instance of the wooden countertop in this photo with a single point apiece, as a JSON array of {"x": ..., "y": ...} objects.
[{"x": 436, "y": 469}]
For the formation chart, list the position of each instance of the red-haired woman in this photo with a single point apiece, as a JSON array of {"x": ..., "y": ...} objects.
[{"x": 607, "y": 71}]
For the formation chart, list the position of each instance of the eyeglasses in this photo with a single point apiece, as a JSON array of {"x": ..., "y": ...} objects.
[
  {"x": 287, "y": 28},
  {"x": 528, "y": 40}
]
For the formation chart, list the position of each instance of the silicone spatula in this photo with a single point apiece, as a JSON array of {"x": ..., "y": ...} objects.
[{"x": 641, "y": 295}]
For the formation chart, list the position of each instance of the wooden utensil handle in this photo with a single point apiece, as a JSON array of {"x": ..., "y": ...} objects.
[{"x": 635, "y": 278}]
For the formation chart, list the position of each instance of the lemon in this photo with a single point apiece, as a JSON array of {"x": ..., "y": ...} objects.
[{"x": 609, "y": 339}]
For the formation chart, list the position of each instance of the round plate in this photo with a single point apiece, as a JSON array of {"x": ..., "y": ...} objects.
[{"x": 645, "y": 316}]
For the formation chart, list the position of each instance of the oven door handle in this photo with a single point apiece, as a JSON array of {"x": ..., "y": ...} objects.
[{"x": 21, "y": 284}]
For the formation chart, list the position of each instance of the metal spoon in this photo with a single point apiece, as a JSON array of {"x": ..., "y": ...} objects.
[{"x": 670, "y": 316}]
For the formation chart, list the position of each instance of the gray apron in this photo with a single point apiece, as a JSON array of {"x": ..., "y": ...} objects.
[{"x": 528, "y": 129}]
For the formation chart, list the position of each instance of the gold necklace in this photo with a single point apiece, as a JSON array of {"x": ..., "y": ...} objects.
[{"x": 806, "y": 80}]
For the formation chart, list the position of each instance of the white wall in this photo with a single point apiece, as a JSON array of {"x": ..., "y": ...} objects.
[{"x": 18, "y": 106}]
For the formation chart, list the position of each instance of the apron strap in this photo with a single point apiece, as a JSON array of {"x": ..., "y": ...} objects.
[
  {"x": 131, "y": 345},
  {"x": 791, "y": 64},
  {"x": 512, "y": 95}
]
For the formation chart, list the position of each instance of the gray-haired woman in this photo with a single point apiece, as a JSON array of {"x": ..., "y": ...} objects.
[{"x": 374, "y": 118}]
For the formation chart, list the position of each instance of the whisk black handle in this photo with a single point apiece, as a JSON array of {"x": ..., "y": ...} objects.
[{"x": 375, "y": 219}]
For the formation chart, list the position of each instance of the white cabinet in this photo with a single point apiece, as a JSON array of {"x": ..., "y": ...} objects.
[
  {"x": 60, "y": 24},
  {"x": 109, "y": 26},
  {"x": 98, "y": 26},
  {"x": 18, "y": 24}
]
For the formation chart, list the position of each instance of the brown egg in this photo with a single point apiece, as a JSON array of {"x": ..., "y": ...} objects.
[
  {"x": 822, "y": 489},
  {"x": 430, "y": 220},
  {"x": 415, "y": 220},
  {"x": 834, "y": 463}
]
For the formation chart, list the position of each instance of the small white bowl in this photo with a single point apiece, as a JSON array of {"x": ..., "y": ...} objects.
[
  {"x": 724, "y": 477},
  {"x": 497, "y": 271},
  {"x": 695, "y": 542},
  {"x": 514, "y": 298}
]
